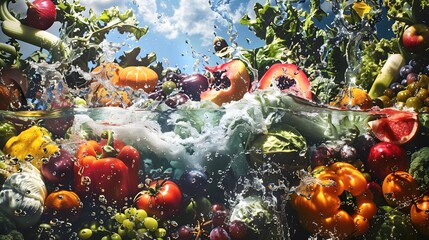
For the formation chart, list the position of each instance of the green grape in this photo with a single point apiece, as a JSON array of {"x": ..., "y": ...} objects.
[
  {"x": 422, "y": 94},
  {"x": 122, "y": 231},
  {"x": 141, "y": 215},
  {"x": 85, "y": 233},
  {"x": 130, "y": 211},
  {"x": 150, "y": 223},
  {"x": 101, "y": 228},
  {"x": 120, "y": 217},
  {"x": 105, "y": 238},
  {"x": 93, "y": 226},
  {"x": 389, "y": 93},
  {"x": 141, "y": 231},
  {"x": 414, "y": 102},
  {"x": 403, "y": 95},
  {"x": 132, "y": 234},
  {"x": 115, "y": 236},
  {"x": 128, "y": 224},
  {"x": 168, "y": 87},
  {"x": 160, "y": 232}
]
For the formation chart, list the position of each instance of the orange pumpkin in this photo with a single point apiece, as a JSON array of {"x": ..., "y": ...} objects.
[
  {"x": 137, "y": 78},
  {"x": 63, "y": 205},
  {"x": 420, "y": 215}
]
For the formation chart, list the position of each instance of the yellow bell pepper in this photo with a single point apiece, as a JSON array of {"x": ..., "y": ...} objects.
[{"x": 33, "y": 145}]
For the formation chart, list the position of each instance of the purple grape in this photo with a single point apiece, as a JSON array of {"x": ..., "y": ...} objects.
[
  {"x": 184, "y": 233},
  {"x": 396, "y": 87},
  {"x": 348, "y": 153},
  {"x": 237, "y": 230},
  {"x": 412, "y": 77},
  {"x": 157, "y": 95},
  {"x": 417, "y": 65},
  {"x": 322, "y": 155},
  {"x": 363, "y": 144},
  {"x": 219, "y": 233},
  {"x": 193, "y": 182},
  {"x": 172, "y": 76},
  {"x": 176, "y": 100},
  {"x": 193, "y": 85},
  {"x": 405, "y": 70},
  {"x": 219, "y": 218}
]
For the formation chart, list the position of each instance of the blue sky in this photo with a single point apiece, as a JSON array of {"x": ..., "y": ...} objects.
[{"x": 180, "y": 31}]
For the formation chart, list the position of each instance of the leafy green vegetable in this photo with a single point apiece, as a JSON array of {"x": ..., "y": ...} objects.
[
  {"x": 257, "y": 215},
  {"x": 391, "y": 223},
  {"x": 374, "y": 55},
  {"x": 282, "y": 144},
  {"x": 8, "y": 228},
  {"x": 78, "y": 43},
  {"x": 289, "y": 34},
  {"x": 419, "y": 167}
]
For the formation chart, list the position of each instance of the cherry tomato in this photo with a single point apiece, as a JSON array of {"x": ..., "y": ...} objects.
[{"x": 163, "y": 199}]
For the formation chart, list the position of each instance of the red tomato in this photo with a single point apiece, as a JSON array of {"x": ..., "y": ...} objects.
[{"x": 163, "y": 199}]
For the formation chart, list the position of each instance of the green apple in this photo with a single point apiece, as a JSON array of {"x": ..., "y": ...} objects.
[{"x": 416, "y": 38}]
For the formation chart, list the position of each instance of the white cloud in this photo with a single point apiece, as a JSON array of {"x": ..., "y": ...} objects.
[
  {"x": 189, "y": 17},
  {"x": 192, "y": 17}
]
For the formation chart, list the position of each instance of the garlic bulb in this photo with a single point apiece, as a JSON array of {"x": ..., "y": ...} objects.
[{"x": 22, "y": 197}]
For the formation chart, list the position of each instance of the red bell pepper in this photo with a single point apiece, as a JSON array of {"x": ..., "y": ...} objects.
[{"x": 109, "y": 168}]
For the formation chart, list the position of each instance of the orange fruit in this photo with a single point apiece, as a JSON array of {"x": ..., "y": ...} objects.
[{"x": 352, "y": 98}]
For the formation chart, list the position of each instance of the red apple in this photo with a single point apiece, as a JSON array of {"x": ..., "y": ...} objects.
[
  {"x": 384, "y": 158},
  {"x": 416, "y": 38}
]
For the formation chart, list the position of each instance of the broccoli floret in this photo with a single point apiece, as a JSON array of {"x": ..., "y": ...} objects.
[
  {"x": 8, "y": 229},
  {"x": 419, "y": 167}
]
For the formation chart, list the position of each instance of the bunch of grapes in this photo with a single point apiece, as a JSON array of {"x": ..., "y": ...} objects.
[
  {"x": 215, "y": 227},
  {"x": 411, "y": 91},
  {"x": 131, "y": 224}
]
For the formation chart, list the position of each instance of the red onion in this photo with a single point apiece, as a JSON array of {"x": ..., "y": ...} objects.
[{"x": 41, "y": 14}]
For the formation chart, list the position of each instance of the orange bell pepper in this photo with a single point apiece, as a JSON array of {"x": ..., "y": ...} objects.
[{"x": 323, "y": 210}]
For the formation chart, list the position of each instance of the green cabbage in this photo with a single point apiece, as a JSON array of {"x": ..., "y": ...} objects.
[{"x": 282, "y": 144}]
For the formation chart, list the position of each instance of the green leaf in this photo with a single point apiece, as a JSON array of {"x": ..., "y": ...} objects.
[{"x": 130, "y": 58}]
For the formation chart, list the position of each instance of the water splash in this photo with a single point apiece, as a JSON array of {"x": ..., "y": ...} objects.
[
  {"x": 353, "y": 35},
  {"x": 221, "y": 7}
]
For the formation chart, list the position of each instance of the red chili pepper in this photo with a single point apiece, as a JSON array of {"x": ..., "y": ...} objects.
[{"x": 109, "y": 168}]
